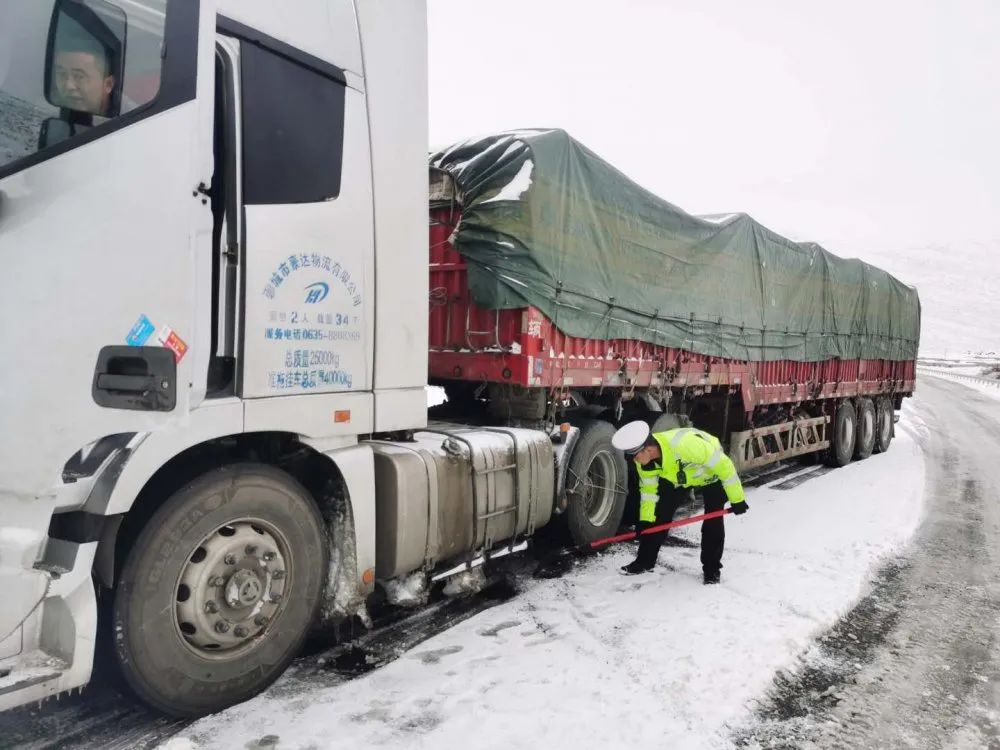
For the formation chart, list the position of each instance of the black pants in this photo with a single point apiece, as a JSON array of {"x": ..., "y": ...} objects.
[{"x": 713, "y": 531}]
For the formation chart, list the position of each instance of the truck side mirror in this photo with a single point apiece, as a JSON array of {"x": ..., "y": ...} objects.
[
  {"x": 53, "y": 131},
  {"x": 85, "y": 57}
]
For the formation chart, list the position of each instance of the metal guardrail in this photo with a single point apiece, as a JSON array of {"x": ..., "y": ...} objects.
[{"x": 945, "y": 372}]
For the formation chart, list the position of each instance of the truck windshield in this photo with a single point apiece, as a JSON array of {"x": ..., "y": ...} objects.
[{"x": 67, "y": 66}]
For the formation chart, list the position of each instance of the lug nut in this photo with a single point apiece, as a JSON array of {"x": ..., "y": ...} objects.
[
  {"x": 250, "y": 549},
  {"x": 260, "y": 621},
  {"x": 240, "y": 632},
  {"x": 211, "y": 607},
  {"x": 221, "y": 627},
  {"x": 218, "y": 581},
  {"x": 278, "y": 575},
  {"x": 229, "y": 559},
  {"x": 268, "y": 556},
  {"x": 275, "y": 598}
]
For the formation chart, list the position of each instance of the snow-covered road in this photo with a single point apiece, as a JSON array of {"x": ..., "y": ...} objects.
[
  {"x": 597, "y": 659},
  {"x": 916, "y": 664}
]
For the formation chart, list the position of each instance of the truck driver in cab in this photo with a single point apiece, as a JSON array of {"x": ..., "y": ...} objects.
[{"x": 82, "y": 77}]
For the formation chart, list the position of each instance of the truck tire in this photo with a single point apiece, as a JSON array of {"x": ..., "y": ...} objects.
[
  {"x": 596, "y": 481},
  {"x": 845, "y": 431},
  {"x": 219, "y": 590},
  {"x": 865, "y": 442},
  {"x": 664, "y": 422},
  {"x": 884, "y": 423}
]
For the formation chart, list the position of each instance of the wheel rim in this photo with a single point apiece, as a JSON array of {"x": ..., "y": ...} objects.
[
  {"x": 232, "y": 588},
  {"x": 847, "y": 432},
  {"x": 599, "y": 488},
  {"x": 885, "y": 425},
  {"x": 869, "y": 424}
]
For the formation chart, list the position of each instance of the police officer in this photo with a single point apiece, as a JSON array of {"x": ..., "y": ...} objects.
[{"x": 669, "y": 463}]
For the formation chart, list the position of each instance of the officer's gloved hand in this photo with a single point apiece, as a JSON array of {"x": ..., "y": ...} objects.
[
  {"x": 739, "y": 508},
  {"x": 641, "y": 526}
]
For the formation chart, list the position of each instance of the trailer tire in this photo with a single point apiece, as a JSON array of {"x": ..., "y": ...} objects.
[
  {"x": 596, "y": 483},
  {"x": 664, "y": 422},
  {"x": 864, "y": 444},
  {"x": 202, "y": 619},
  {"x": 845, "y": 431},
  {"x": 885, "y": 426}
]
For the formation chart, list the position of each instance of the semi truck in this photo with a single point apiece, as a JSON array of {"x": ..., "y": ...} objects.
[{"x": 212, "y": 220}]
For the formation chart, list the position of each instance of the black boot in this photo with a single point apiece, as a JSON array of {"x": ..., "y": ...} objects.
[
  {"x": 635, "y": 567},
  {"x": 710, "y": 578}
]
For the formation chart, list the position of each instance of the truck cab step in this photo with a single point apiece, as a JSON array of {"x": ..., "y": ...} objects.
[{"x": 480, "y": 560}]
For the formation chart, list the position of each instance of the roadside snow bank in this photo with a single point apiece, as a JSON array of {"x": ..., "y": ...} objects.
[
  {"x": 596, "y": 659},
  {"x": 986, "y": 386}
]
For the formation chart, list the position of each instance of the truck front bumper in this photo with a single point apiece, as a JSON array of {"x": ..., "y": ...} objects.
[{"x": 52, "y": 649}]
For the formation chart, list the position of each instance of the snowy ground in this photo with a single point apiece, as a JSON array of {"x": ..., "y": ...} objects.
[
  {"x": 970, "y": 376},
  {"x": 597, "y": 659},
  {"x": 915, "y": 664}
]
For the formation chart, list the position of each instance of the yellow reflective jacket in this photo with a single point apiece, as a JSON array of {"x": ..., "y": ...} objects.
[{"x": 698, "y": 455}]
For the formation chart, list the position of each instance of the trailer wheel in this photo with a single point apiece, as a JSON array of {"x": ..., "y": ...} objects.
[
  {"x": 884, "y": 427},
  {"x": 664, "y": 422},
  {"x": 596, "y": 481},
  {"x": 845, "y": 432},
  {"x": 219, "y": 590},
  {"x": 865, "y": 442}
]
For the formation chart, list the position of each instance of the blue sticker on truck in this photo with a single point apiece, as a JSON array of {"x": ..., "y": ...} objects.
[{"x": 140, "y": 332}]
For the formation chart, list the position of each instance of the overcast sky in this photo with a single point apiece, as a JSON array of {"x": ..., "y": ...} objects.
[{"x": 851, "y": 123}]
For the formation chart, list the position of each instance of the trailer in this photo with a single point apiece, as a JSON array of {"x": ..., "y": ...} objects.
[{"x": 512, "y": 359}]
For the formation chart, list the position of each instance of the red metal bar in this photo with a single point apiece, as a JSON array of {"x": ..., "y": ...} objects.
[{"x": 658, "y": 528}]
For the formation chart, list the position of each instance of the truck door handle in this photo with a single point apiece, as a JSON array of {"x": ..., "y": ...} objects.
[
  {"x": 126, "y": 383},
  {"x": 135, "y": 377}
]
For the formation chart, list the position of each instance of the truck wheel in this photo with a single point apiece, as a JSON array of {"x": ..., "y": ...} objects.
[
  {"x": 664, "y": 422},
  {"x": 884, "y": 415},
  {"x": 596, "y": 478},
  {"x": 219, "y": 590},
  {"x": 865, "y": 442},
  {"x": 844, "y": 433}
]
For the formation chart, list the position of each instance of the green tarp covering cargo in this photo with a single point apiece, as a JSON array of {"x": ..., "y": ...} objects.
[{"x": 545, "y": 222}]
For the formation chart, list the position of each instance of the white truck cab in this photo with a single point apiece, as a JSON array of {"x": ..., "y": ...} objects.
[{"x": 212, "y": 226}]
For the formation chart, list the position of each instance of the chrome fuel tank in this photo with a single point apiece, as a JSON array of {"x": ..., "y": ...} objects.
[{"x": 457, "y": 489}]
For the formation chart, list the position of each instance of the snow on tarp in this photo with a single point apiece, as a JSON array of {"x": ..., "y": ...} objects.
[
  {"x": 514, "y": 189},
  {"x": 548, "y": 223}
]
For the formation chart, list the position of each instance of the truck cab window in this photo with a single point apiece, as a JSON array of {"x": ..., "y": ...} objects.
[
  {"x": 70, "y": 66},
  {"x": 293, "y": 129}
]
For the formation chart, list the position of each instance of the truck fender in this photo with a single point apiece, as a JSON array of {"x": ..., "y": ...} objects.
[
  {"x": 104, "y": 558},
  {"x": 352, "y": 528},
  {"x": 157, "y": 448},
  {"x": 563, "y": 452}
]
